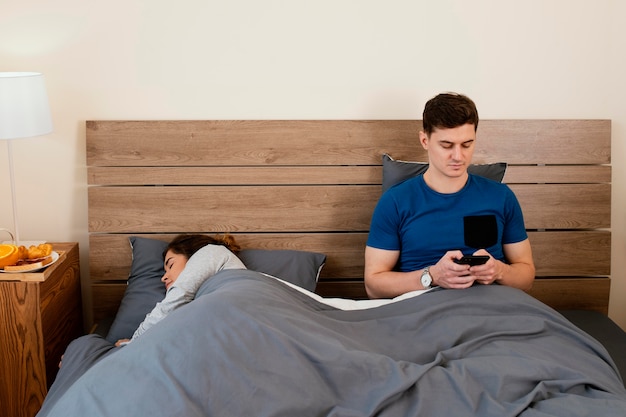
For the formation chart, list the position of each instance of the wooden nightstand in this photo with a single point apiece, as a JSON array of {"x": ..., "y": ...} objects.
[{"x": 40, "y": 315}]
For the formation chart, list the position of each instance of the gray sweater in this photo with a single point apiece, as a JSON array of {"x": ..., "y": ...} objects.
[{"x": 202, "y": 265}]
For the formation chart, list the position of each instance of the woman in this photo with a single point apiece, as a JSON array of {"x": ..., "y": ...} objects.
[{"x": 189, "y": 260}]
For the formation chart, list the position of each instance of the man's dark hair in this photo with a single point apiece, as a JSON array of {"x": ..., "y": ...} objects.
[{"x": 449, "y": 110}]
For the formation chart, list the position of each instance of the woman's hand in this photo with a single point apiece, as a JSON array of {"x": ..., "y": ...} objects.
[{"x": 122, "y": 342}]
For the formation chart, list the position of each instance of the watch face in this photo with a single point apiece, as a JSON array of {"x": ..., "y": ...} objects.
[{"x": 426, "y": 280}]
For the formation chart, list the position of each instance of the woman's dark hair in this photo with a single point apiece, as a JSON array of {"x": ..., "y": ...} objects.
[
  {"x": 187, "y": 245},
  {"x": 449, "y": 110}
]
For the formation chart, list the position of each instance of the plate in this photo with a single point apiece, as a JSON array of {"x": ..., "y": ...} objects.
[{"x": 55, "y": 257}]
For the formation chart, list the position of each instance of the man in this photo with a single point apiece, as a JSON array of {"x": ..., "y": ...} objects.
[{"x": 423, "y": 226}]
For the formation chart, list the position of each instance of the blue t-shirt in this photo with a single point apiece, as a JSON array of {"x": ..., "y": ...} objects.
[{"x": 423, "y": 224}]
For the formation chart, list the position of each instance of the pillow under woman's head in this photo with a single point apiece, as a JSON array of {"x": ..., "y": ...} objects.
[{"x": 144, "y": 287}]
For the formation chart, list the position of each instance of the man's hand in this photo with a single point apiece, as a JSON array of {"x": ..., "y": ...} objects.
[
  {"x": 488, "y": 272},
  {"x": 448, "y": 274}
]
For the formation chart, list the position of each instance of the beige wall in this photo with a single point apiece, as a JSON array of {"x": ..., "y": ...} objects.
[{"x": 323, "y": 59}]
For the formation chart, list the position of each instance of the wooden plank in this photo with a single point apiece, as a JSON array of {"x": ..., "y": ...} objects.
[
  {"x": 106, "y": 299},
  {"x": 241, "y": 175},
  {"x": 250, "y": 142},
  {"x": 557, "y": 174},
  {"x": 334, "y": 142},
  {"x": 334, "y": 208},
  {"x": 231, "y": 209},
  {"x": 566, "y": 293},
  {"x": 581, "y": 253},
  {"x": 110, "y": 257},
  {"x": 329, "y": 175},
  {"x": 565, "y": 206},
  {"x": 544, "y": 141},
  {"x": 342, "y": 289}
]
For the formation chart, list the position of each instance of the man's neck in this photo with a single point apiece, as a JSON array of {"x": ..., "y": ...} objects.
[{"x": 444, "y": 184}]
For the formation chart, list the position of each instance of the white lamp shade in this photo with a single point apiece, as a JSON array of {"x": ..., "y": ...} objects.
[{"x": 24, "y": 107}]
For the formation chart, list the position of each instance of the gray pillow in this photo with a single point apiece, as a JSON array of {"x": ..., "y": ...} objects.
[
  {"x": 395, "y": 171},
  {"x": 145, "y": 288},
  {"x": 297, "y": 267}
]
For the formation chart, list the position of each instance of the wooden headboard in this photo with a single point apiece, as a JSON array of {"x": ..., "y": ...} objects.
[{"x": 313, "y": 184}]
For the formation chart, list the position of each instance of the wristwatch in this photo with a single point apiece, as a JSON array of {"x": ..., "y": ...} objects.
[{"x": 427, "y": 280}]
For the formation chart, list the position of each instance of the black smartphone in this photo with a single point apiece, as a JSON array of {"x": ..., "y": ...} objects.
[{"x": 472, "y": 260}]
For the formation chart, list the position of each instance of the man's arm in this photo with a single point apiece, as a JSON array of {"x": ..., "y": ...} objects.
[
  {"x": 518, "y": 273},
  {"x": 381, "y": 281}
]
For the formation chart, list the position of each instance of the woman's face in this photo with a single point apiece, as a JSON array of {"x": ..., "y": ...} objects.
[{"x": 174, "y": 264}]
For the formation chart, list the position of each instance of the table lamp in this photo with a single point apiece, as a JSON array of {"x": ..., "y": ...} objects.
[{"x": 24, "y": 112}]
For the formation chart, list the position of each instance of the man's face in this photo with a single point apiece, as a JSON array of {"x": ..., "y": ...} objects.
[{"x": 450, "y": 151}]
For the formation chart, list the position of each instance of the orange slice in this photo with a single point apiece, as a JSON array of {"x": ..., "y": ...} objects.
[{"x": 9, "y": 255}]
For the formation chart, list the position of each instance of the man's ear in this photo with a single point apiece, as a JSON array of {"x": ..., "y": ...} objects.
[{"x": 423, "y": 139}]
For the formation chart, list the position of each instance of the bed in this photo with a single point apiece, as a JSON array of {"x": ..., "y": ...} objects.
[{"x": 294, "y": 334}]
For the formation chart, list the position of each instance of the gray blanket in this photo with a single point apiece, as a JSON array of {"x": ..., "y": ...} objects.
[{"x": 250, "y": 346}]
